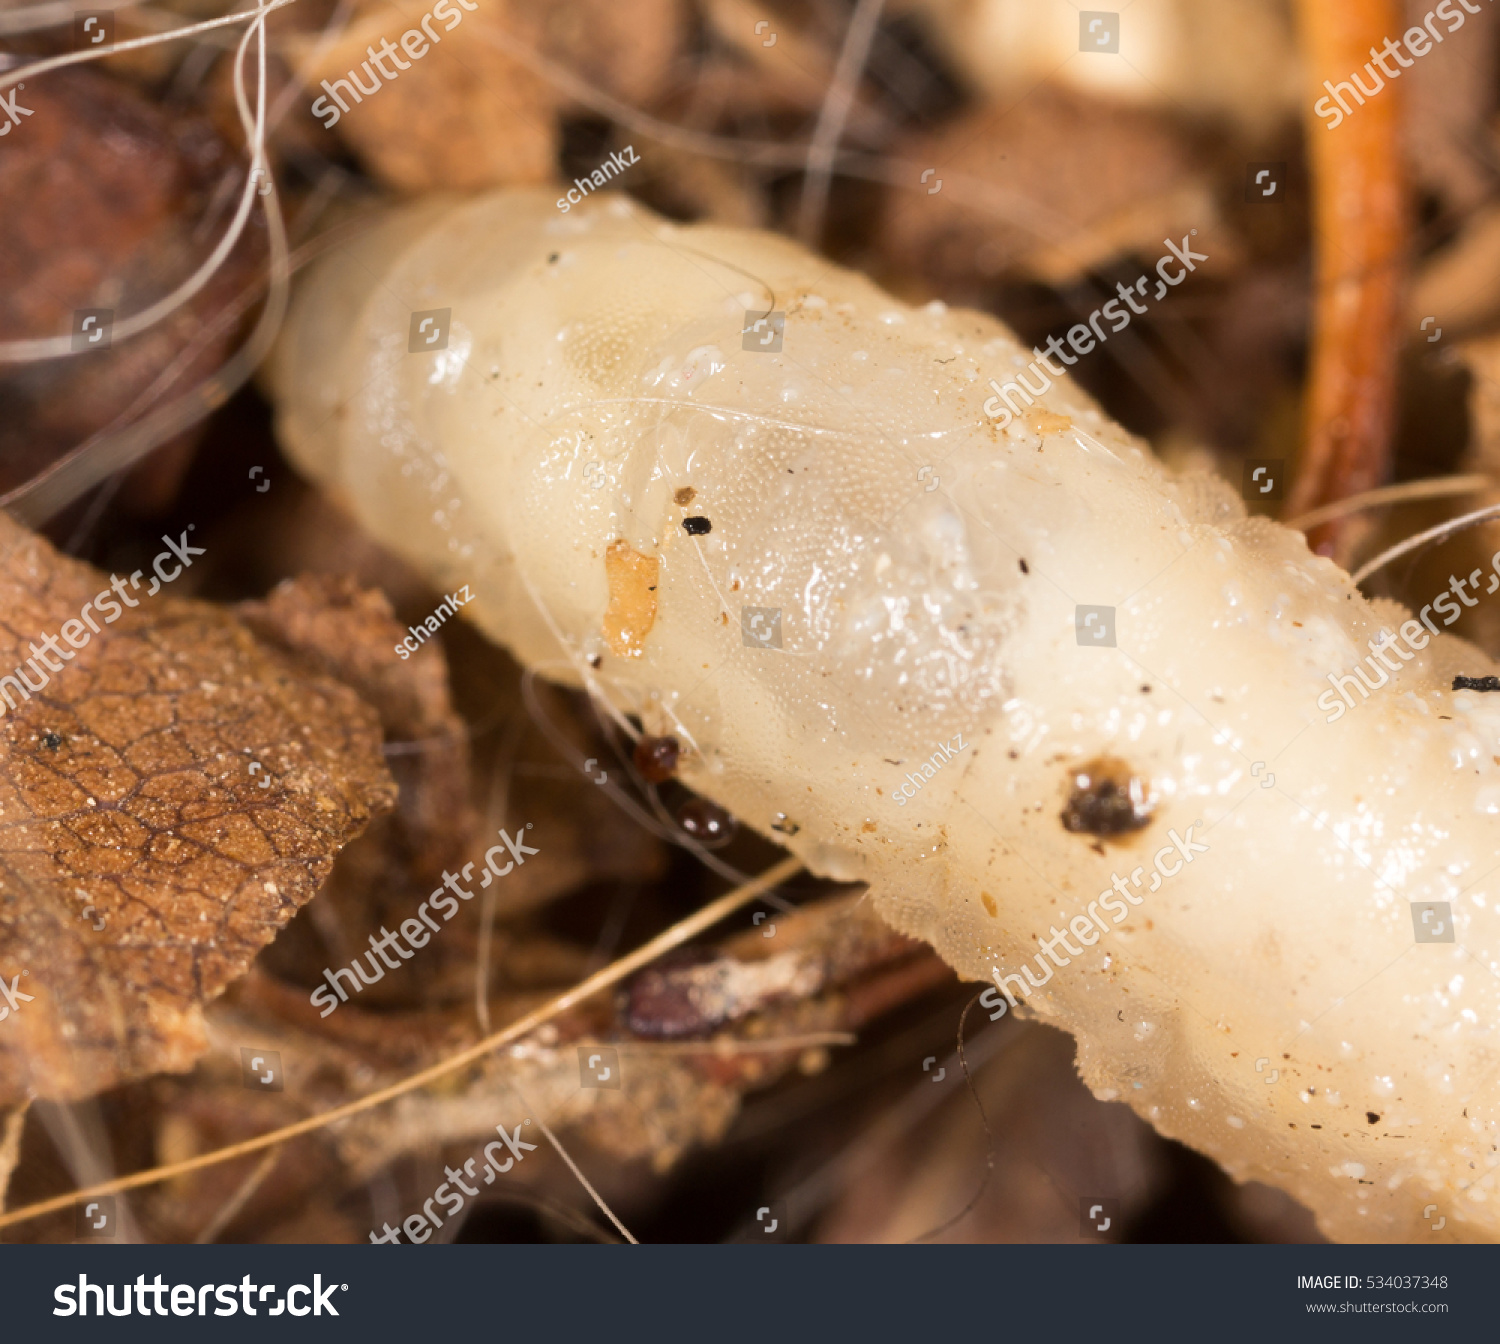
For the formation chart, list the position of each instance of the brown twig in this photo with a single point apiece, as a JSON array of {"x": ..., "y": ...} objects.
[
  {"x": 237, "y": 1201},
  {"x": 10, "y": 1144},
  {"x": 612, "y": 974},
  {"x": 1359, "y": 223}
]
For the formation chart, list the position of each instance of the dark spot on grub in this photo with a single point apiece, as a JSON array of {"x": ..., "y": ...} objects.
[
  {"x": 684, "y": 495},
  {"x": 1106, "y": 799},
  {"x": 1372, "y": 1117},
  {"x": 51, "y": 741},
  {"x": 1025, "y": 568},
  {"x": 697, "y": 526},
  {"x": 1476, "y": 683}
]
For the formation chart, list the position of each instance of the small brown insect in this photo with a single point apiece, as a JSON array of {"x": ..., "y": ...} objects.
[
  {"x": 707, "y": 824},
  {"x": 656, "y": 758}
]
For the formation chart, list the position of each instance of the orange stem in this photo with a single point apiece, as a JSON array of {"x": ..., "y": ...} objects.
[{"x": 1359, "y": 225}]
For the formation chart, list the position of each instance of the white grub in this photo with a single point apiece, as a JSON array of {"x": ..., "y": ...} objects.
[{"x": 1297, "y": 1031}]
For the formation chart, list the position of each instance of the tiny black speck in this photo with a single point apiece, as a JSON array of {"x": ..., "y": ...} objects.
[
  {"x": 1476, "y": 683},
  {"x": 1372, "y": 1117},
  {"x": 1025, "y": 568},
  {"x": 553, "y": 256},
  {"x": 51, "y": 741},
  {"x": 697, "y": 525}
]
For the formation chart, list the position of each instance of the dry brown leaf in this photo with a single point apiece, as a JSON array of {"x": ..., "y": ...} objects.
[
  {"x": 674, "y": 1096},
  {"x": 1083, "y": 181},
  {"x": 1459, "y": 287},
  {"x": 464, "y": 116},
  {"x": 1482, "y": 359},
  {"x": 624, "y": 47},
  {"x": 467, "y": 113},
  {"x": 1450, "y": 96},
  {"x": 789, "y": 69},
  {"x": 349, "y": 633},
  {"x": 114, "y": 189},
  {"x": 143, "y": 862},
  {"x": 691, "y": 186}
]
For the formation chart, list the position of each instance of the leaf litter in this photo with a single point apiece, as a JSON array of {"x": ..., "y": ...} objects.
[{"x": 143, "y": 863}]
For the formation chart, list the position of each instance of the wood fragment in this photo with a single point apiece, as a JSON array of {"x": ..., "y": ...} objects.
[
  {"x": 10, "y": 1145},
  {"x": 1360, "y": 237},
  {"x": 170, "y": 796}
]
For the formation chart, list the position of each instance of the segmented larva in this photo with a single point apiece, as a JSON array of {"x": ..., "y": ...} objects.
[{"x": 877, "y": 571}]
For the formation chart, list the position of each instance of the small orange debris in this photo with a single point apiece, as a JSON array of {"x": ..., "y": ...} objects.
[{"x": 632, "y": 598}]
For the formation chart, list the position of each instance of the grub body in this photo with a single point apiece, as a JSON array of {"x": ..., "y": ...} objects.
[{"x": 841, "y": 620}]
